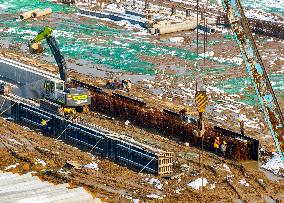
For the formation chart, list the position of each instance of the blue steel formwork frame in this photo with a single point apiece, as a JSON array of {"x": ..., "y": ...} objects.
[
  {"x": 111, "y": 147},
  {"x": 257, "y": 72},
  {"x": 85, "y": 136}
]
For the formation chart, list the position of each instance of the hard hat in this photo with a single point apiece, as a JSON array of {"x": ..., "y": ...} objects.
[
  {"x": 43, "y": 122},
  {"x": 225, "y": 142}
]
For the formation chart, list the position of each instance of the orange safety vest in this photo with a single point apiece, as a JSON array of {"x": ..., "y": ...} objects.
[{"x": 217, "y": 143}]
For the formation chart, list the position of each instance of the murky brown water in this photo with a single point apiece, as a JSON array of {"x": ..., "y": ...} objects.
[{"x": 255, "y": 165}]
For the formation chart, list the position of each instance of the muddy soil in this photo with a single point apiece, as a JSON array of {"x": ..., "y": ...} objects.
[
  {"x": 227, "y": 180},
  {"x": 115, "y": 183}
]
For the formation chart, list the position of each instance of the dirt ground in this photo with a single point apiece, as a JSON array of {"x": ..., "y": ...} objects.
[
  {"x": 228, "y": 181},
  {"x": 114, "y": 183}
]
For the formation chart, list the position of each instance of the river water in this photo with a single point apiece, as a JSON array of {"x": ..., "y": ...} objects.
[{"x": 94, "y": 42}]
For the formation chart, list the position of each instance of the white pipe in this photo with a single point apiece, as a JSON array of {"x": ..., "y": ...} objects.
[
  {"x": 41, "y": 13},
  {"x": 28, "y": 14}
]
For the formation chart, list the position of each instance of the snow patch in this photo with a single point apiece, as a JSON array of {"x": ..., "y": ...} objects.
[
  {"x": 154, "y": 196},
  {"x": 178, "y": 190},
  {"x": 244, "y": 182},
  {"x": 155, "y": 182},
  {"x": 63, "y": 171},
  {"x": 274, "y": 164},
  {"x": 176, "y": 39},
  {"x": 198, "y": 183},
  {"x": 92, "y": 165},
  {"x": 11, "y": 166},
  {"x": 185, "y": 167},
  {"x": 212, "y": 186},
  {"x": 39, "y": 161},
  {"x": 135, "y": 200},
  {"x": 15, "y": 141},
  {"x": 115, "y": 8}
]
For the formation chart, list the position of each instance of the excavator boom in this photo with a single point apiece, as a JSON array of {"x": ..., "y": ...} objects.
[
  {"x": 256, "y": 71},
  {"x": 59, "y": 92},
  {"x": 43, "y": 34},
  {"x": 51, "y": 41}
]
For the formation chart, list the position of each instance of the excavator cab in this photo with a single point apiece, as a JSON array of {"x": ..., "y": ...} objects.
[
  {"x": 58, "y": 91},
  {"x": 53, "y": 86}
]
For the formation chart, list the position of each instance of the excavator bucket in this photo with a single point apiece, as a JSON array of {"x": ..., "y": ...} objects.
[{"x": 35, "y": 47}]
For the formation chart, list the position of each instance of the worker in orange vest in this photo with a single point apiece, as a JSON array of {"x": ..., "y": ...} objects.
[{"x": 217, "y": 143}]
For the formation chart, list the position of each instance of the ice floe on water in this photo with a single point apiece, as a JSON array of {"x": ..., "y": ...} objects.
[
  {"x": 274, "y": 164},
  {"x": 2, "y": 7}
]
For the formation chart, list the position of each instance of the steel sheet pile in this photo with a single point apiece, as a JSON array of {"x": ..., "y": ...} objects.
[
  {"x": 170, "y": 124},
  {"x": 258, "y": 26},
  {"x": 269, "y": 28}
]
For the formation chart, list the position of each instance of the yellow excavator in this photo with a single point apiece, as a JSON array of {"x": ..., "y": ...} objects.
[{"x": 59, "y": 93}]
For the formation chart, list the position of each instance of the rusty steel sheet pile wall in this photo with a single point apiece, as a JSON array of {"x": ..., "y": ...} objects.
[
  {"x": 118, "y": 148},
  {"x": 258, "y": 26},
  {"x": 238, "y": 148},
  {"x": 272, "y": 29}
]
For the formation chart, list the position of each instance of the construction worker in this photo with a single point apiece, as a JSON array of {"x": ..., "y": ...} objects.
[
  {"x": 217, "y": 143},
  {"x": 43, "y": 122},
  {"x": 182, "y": 113},
  {"x": 224, "y": 148},
  {"x": 126, "y": 85},
  {"x": 241, "y": 126},
  {"x": 116, "y": 84},
  {"x": 195, "y": 136}
]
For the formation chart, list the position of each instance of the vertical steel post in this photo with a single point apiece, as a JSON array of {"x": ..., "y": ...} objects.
[{"x": 256, "y": 71}]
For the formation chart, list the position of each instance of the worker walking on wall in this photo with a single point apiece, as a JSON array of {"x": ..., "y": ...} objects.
[
  {"x": 217, "y": 143},
  {"x": 195, "y": 136},
  {"x": 242, "y": 127}
]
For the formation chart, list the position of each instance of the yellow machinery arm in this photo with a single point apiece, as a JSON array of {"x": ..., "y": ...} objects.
[{"x": 47, "y": 31}]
